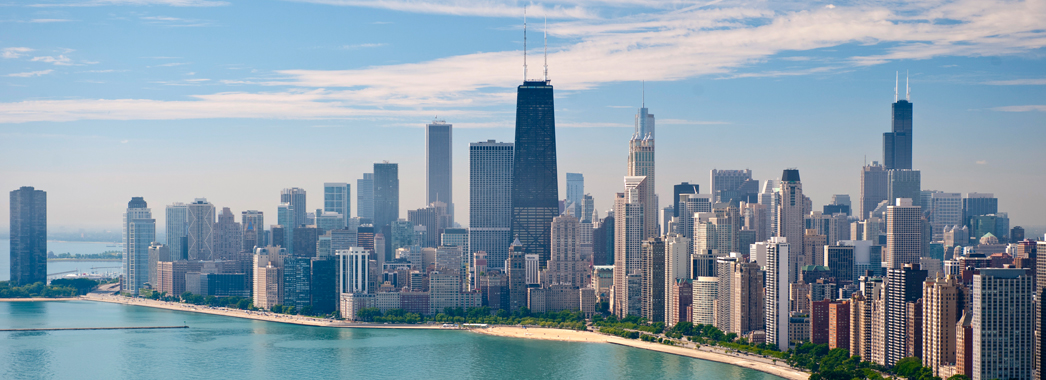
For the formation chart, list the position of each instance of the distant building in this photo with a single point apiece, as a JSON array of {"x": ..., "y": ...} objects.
[
  {"x": 439, "y": 165},
  {"x": 875, "y": 182},
  {"x": 178, "y": 230},
  {"x": 365, "y": 196},
  {"x": 705, "y": 293},
  {"x": 253, "y": 223},
  {"x": 903, "y": 234},
  {"x": 903, "y": 286},
  {"x": 777, "y": 302},
  {"x": 139, "y": 234},
  {"x": 1003, "y": 324},
  {"x": 576, "y": 193},
  {"x": 653, "y": 272},
  {"x": 943, "y": 303},
  {"x": 897, "y": 144},
  {"x": 201, "y": 230},
  {"x": 228, "y": 236}
]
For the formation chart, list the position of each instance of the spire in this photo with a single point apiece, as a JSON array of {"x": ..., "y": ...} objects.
[
  {"x": 524, "y": 43},
  {"x": 546, "y": 50},
  {"x": 644, "y": 94},
  {"x": 907, "y": 90},
  {"x": 896, "y": 74}
]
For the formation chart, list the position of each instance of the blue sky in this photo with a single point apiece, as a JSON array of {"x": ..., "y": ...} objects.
[{"x": 234, "y": 100}]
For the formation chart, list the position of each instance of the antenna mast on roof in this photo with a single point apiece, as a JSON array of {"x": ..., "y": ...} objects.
[
  {"x": 546, "y": 50},
  {"x": 907, "y": 90},
  {"x": 644, "y": 94},
  {"x": 524, "y": 43},
  {"x": 896, "y": 78}
]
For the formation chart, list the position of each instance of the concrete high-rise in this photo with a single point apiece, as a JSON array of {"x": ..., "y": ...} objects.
[
  {"x": 683, "y": 188},
  {"x": 253, "y": 223},
  {"x": 201, "y": 230},
  {"x": 517, "y": 276},
  {"x": 875, "y": 181},
  {"x": 791, "y": 223},
  {"x": 139, "y": 232},
  {"x": 904, "y": 183},
  {"x": 777, "y": 294},
  {"x": 641, "y": 163},
  {"x": 337, "y": 198},
  {"x": 535, "y": 178},
  {"x": 490, "y": 200},
  {"x": 228, "y": 236},
  {"x": 28, "y": 236},
  {"x": 653, "y": 272},
  {"x": 897, "y": 144},
  {"x": 628, "y": 238},
  {"x": 945, "y": 211},
  {"x": 904, "y": 285},
  {"x": 365, "y": 196},
  {"x": 295, "y": 196},
  {"x": 177, "y": 227},
  {"x": 727, "y": 180},
  {"x": 942, "y": 307},
  {"x": 565, "y": 266},
  {"x": 439, "y": 165},
  {"x": 576, "y": 193},
  {"x": 1003, "y": 324},
  {"x": 903, "y": 233}
]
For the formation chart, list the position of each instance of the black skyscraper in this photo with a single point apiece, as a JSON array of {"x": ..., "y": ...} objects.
[
  {"x": 28, "y": 236},
  {"x": 897, "y": 145},
  {"x": 386, "y": 194},
  {"x": 535, "y": 186},
  {"x": 683, "y": 188}
]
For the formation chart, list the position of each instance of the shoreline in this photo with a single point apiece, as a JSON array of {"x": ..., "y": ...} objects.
[{"x": 703, "y": 352}]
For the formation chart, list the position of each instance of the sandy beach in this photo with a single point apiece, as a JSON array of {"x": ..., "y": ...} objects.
[
  {"x": 247, "y": 314},
  {"x": 715, "y": 354}
]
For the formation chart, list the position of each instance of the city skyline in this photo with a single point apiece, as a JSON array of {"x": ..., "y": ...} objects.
[{"x": 956, "y": 96}]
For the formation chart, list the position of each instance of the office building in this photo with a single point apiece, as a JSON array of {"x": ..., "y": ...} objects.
[
  {"x": 295, "y": 197},
  {"x": 337, "y": 198},
  {"x": 576, "y": 193},
  {"x": 490, "y": 199},
  {"x": 723, "y": 181},
  {"x": 904, "y": 183},
  {"x": 253, "y": 223},
  {"x": 201, "y": 230},
  {"x": 139, "y": 233},
  {"x": 653, "y": 272},
  {"x": 945, "y": 211},
  {"x": 683, "y": 188},
  {"x": 178, "y": 230},
  {"x": 628, "y": 238},
  {"x": 641, "y": 164},
  {"x": 791, "y": 222},
  {"x": 566, "y": 267},
  {"x": 228, "y": 236},
  {"x": 517, "y": 276},
  {"x": 535, "y": 178},
  {"x": 439, "y": 164},
  {"x": 902, "y": 286},
  {"x": 268, "y": 276},
  {"x": 365, "y": 196},
  {"x": 875, "y": 187},
  {"x": 897, "y": 144},
  {"x": 157, "y": 253},
  {"x": 353, "y": 271},
  {"x": 903, "y": 233},
  {"x": 386, "y": 194}
]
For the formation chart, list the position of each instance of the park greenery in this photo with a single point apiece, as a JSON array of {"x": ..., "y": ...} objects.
[
  {"x": 58, "y": 288},
  {"x": 572, "y": 320}
]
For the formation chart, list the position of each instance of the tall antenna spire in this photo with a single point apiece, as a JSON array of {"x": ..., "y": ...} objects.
[
  {"x": 896, "y": 78},
  {"x": 546, "y": 50},
  {"x": 907, "y": 90},
  {"x": 524, "y": 43},
  {"x": 644, "y": 94}
]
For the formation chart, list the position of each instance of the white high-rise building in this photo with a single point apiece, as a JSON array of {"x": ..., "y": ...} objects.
[
  {"x": 565, "y": 267},
  {"x": 903, "y": 233},
  {"x": 946, "y": 211},
  {"x": 490, "y": 200},
  {"x": 628, "y": 238},
  {"x": 139, "y": 232},
  {"x": 777, "y": 295},
  {"x": 201, "y": 230},
  {"x": 641, "y": 164},
  {"x": 296, "y": 197},
  {"x": 353, "y": 271},
  {"x": 337, "y": 198},
  {"x": 178, "y": 230},
  {"x": 532, "y": 266},
  {"x": 792, "y": 209},
  {"x": 1003, "y": 324},
  {"x": 705, "y": 295}
]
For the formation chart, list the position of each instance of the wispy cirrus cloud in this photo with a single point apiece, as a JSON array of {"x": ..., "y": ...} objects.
[
  {"x": 99, "y": 3},
  {"x": 30, "y": 74},
  {"x": 48, "y": 20},
  {"x": 1028, "y": 108},
  {"x": 60, "y": 60},
  {"x": 482, "y": 8},
  {"x": 14, "y": 52},
  {"x": 1017, "y": 82},
  {"x": 363, "y": 46},
  {"x": 662, "y": 44},
  {"x": 175, "y": 22}
]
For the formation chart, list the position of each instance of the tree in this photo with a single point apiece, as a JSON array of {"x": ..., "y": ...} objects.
[
  {"x": 959, "y": 377},
  {"x": 908, "y": 367}
]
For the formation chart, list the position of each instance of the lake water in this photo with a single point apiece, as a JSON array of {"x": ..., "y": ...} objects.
[
  {"x": 65, "y": 266},
  {"x": 233, "y": 348}
]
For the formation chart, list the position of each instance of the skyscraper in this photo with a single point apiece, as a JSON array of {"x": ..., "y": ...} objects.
[
  {"x": 201, "y": 230},
  {"x": 228, "y": 235},
  {"x": 535, "y": 181},
  {"x": 903, "y": 285},
  {"x": 791, "y": 222},
  {"x": 683, "y": 188},
  {"x": 438, "y": 164},
  {"x": 490, "y": 200},
  {"x": 641, "y": 163},
  {"x": 576, "y": 192},
  {"x": 875, "y": 182},
  {"x": 517, "y": 277},
  {"x": 942, "y": 307},
  {"x": 1003, "y": 324},
  {"x": 728, "y": 180},
  {"x": 386, "y": 193},
  {"x": 777, "y": 294},
  {"x": 29, "y": 236},
  {"x": 178, "y": 230},
  {"x": 653, "y": 271},
  {"x": 138, "y": 233},
  {"x": 903, "y": 233},
  {"x": 897, "y": 144},
  {"x": 365, "y": 196},
  {"x": 337, "y": 198},
  {"x": 565, "y": 267},
  {"x": 904, "y": 183},
  {"x": 296, "y": 198},
  {"x": 628, "y": 238},
  {"x": 285, "y": 218}
]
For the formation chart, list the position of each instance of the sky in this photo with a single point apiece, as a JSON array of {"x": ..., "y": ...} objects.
[{"x": 234, "y": 100}]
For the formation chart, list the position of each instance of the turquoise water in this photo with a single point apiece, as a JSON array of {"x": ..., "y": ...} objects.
[
  {"x": 64, "y": 266},
  {"x": 216, "y": 347}
]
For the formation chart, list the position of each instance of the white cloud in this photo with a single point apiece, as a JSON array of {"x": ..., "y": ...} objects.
[
  {"x": 30, "y": 74},
  {"x": 482, "y": 8},
  {"x": 689, "y": 122},
  {"x": 1016, "y": 82},
  {"x": 14, "y": 52},
  {"x": 363, "y": 46},
  {"x": 60, "y": 60},
  {"x": 48, "y": 20},
  {"x": 173, "y": 3},
  {"x": 1028, "y": 108},
  {"x": 172, "y": 64},
  {"x": 982, "y": 162}
]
